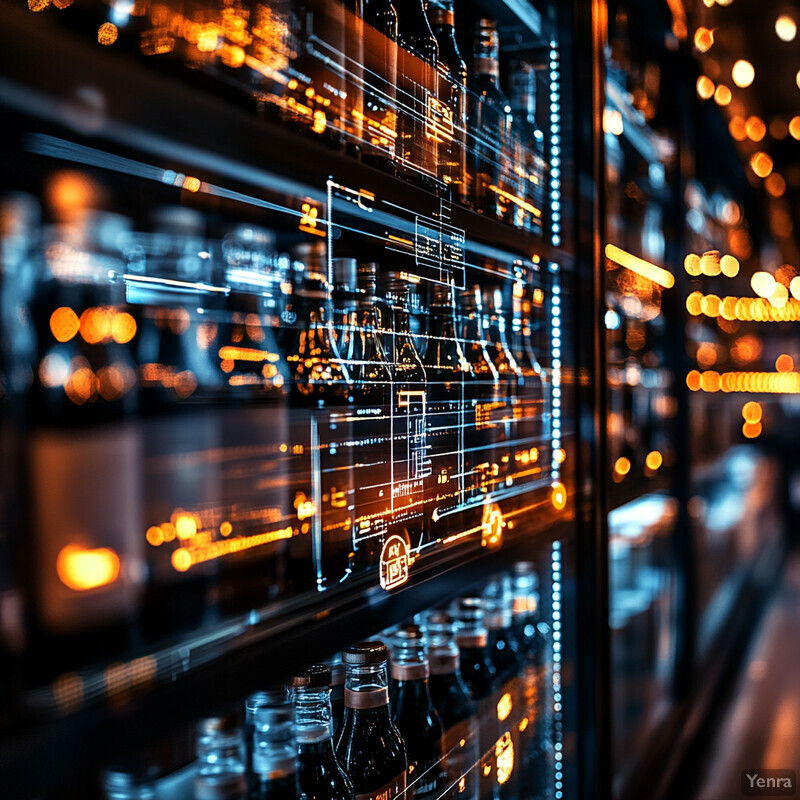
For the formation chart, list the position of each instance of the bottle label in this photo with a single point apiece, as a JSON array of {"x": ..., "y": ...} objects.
[
  {"x": 395, "y": 788},
  {"x": 441, "y": 16},
  {"x": 410, "y": 672},
  {"x": 372, "y": 698}
]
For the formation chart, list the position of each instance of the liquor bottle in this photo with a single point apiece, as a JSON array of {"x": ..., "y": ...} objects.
[
  {"x": 119, "y": 784},
  {"x": 503, "y": 646},
  {"x": 377, "y": 115},
  {"x": 448, "y": 374},
  {"x": 370, "y": 748},
  {"x": 456, "y": 709},
  {"x": 491, "y": 120},
  {"x": 410, "y": 460},
  {"x": 530, "y": 154},
  {"x": 481, "y": 393},
  {"x": 275, "y": 752},
  {"x": 452, "y": 131},
  {"x": 318, "y": 772},
  {"x": 414, "y": 714},
  {"x": 372, "y": 428},
  {"x": 417, "y": 90},
  {"x": 220, "y": 760}
]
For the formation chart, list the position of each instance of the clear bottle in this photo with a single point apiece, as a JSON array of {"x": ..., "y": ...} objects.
[
  {"x": 453, "y": 74},
  {"x": 252, "y": 704},
  {"x": 370, "y": 748},
  {"x": 492, "y": 122},
  {"x": 120, "y": 784},
  {"x": 319, "y": 774},
  {"x": 275, "y": 753},
  {"x": 337, "y": 695},
  {"x": 414, "y": 714},
  {"x": 220, "y": 760}
]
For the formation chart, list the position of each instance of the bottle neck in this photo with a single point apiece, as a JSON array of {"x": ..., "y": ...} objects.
[
  {"x": 366, "y": 687},
  {"x": 487, "y": 68},
  {"x": 313, "y": 716}
]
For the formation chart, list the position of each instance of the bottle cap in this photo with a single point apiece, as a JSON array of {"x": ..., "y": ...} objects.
[
  {"x": 315, "y": 677},
  {"x": 372, "y": 652},
  {"x": 223, "y": 724}
]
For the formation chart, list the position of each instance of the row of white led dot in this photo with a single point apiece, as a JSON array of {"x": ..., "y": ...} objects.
[
  {"x": 555, "y": 147},
  {"x": 555, "y": 346},
  {"x": 558, "y": 725}
]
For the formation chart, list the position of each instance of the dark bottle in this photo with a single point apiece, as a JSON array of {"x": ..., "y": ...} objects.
[
  {"x": 414, "y": 714},
  {"x": 337, "y": 695},
  {"x": 477, "y": 670},
  {"x": 456, "y": 709},
  {"x": 503, "y": 646},
  {"x": 491, "y": 120},
  {"x": 220, "y": 760},
  {"x": 452, "y": 69},
  {"x": 370, "y": 748},
  {"x": 448, "y": 374},
  {"x": 417, "y": 85},
  {"x": 275, "y": 753},
  {"x": 410, "y": 459},
  {"x": 318, "y": 772}
]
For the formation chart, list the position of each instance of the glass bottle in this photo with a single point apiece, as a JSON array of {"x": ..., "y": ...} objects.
[
  {"x": 370, "y": 748},
  {"x": 220, "y": 760},
  {"x": 372, "y": 428},
  {"x": 457, "y": 710},
  {"x": 318, "y": 772},
  {"x": 410, "y": 460},
  {"x": 503, "y": 646},
  {"x": 477, "y": 670},
  {"x": 453, "y": 74},
  {"x": 491, "y": 120},
  {"x": 275, "y": 752},
  {"x": 123, "y": 785},
  {"x": 448, "y": 375},
  {"x": 254, "y": 702},
  {"x": 417, "y": 89},
  {"x": 414, "y": 714},
  {"x": 337, "y": 695}
]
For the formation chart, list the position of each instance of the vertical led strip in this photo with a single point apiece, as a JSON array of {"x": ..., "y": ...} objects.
[
  {"x": 555, "y": 146},
  {"x": 555, "y": 374},
  {"x": 558, "y": 720}
]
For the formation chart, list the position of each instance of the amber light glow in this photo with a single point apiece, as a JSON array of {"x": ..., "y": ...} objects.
[
  {"x": 705, "y": 87},
  {"x": 81, "y": 569},
  {"x": 558, "y": 496},
  {"x": 64, "y": 324},
  {"x": 751, "y": 411},
  {"x": 641, "y": 267},
  {"x": 761, "y": 164},
  {"x": 743, "y": 73},
  {"x": 654, "y": 460},
  {"x": 704, "y": 39},
  {"x": 785, "y": 28}
]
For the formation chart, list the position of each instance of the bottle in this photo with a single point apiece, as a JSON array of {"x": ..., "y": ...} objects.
[
  {"x": 377, "y": 115},
  {"x": 417, "y": 90},
  {"x": 502, "y": 644},
  {"x": 372, "y": 378},
  {"x": 122, "y": 785},
  {"x": 252, "y": 704},
  {"x": 481, "y": 392},
  {"x": 456, "y": 709},
  {"x": 370, "y": 748},
  {"x": 448, "y": 373},
  {"x": 452, "y": 69},
  {"x": 491, "y": 120},
  {"x": 530, "y": 158},
  {"x": 414, "y": 714},
  {"x": 275, "y": 752},
  {"x": 318, "y": 772},
  {"x": 337, "y": 695},
  {"x": 477, "y": 670},
  {"x": 220, "y": 760},
  {"x": 410, "y": 461}
]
